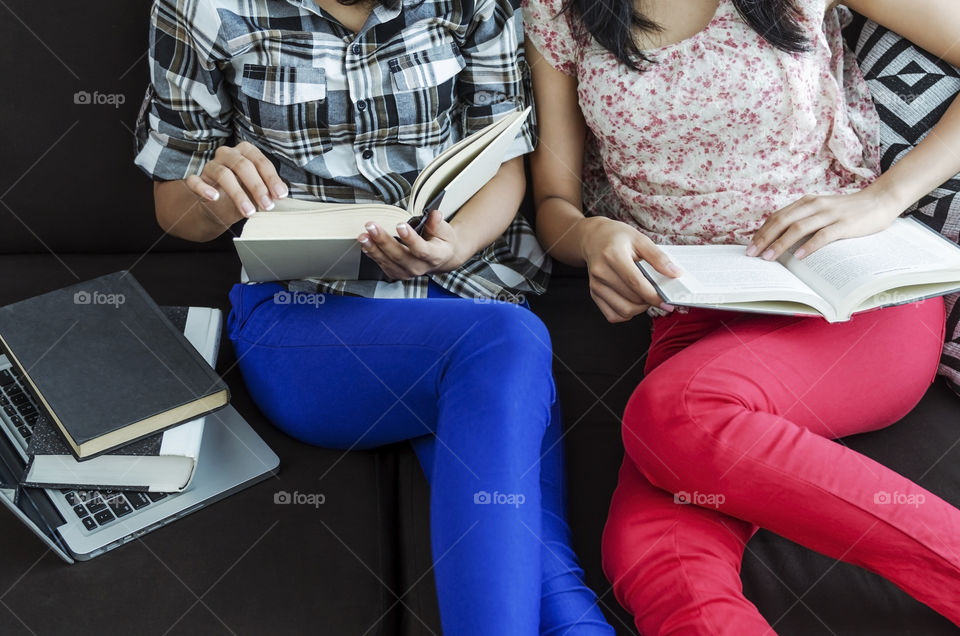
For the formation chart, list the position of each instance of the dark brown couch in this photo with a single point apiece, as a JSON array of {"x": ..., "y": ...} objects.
[{"x": 73, "y": 206}]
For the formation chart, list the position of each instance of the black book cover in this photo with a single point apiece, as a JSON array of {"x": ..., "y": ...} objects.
[
  {"x": 102, "y": 357},
  {"x": 47, "y": 440}
]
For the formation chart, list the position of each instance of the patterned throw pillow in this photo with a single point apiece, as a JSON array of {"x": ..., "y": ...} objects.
[{"x": 912, "y": 89}]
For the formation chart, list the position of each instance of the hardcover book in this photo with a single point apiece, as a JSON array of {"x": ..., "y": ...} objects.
[
  {"x": 163, "y": 462},
  {"x": 105, "y": 364},
  {"x": 306, "y": 239},
  {"x": 904, "y": 263}
]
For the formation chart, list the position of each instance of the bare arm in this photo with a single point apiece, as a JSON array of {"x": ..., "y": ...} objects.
[
  {"x": 933, "y": 25},
  {"x": 202, "y": 207},
  {"x": 609, "y": 249}
]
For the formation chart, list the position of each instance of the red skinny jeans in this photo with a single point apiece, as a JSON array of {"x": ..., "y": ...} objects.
[{"x": 732, "y": 428}]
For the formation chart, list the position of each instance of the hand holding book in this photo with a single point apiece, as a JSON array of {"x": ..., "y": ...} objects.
[{"x": 409, "y": 254}]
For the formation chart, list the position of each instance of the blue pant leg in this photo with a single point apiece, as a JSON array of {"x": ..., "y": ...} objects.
[{"x": 351, "y": 372}]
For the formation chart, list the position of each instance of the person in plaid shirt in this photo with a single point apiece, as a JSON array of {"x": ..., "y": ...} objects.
[{"x": 251, "y": 102}]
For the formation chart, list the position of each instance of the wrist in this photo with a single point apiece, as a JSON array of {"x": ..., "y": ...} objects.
[
  {"x": 584, "y": 229},
  {"x": 460, "y": 253},
  {"x": 889, "y": 197}
]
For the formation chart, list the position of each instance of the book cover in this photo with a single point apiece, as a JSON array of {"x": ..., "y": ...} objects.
[
  {"x": 163, "y": 462},
  {"x": 105, "y": 364}
]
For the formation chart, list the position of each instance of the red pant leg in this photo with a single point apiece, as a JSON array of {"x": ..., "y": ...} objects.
[{"x": 743, "y": 417}]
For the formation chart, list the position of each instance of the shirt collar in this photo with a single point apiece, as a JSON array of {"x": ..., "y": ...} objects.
[{"x": 379, "y": 15}]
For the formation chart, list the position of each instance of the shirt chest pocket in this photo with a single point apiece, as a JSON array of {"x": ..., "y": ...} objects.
[
  {"x": 285, "y": 107},
  {"x": 424, "y": 87}
]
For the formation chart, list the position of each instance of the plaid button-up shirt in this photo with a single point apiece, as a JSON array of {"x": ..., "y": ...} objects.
[{"x": 345, "y": 117}]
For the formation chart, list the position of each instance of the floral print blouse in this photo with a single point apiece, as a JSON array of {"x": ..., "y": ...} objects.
[{"x": 722, "y": 130}]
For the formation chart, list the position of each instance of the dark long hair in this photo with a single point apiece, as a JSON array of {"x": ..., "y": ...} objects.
[{"x": 610, "y": 22}]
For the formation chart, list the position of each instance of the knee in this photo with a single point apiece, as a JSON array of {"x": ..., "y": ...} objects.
[
  {"x": 512, "y": 334},
  {"x": 660, "y": 435}
]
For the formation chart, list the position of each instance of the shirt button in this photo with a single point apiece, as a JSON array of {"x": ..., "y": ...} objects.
[
  {"x": 361, "y": 106},
  {"x": 356, "y": 49},
  {"x": 367, "y": 154}
]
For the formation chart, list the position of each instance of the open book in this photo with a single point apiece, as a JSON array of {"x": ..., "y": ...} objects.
[
  {"x": 307, "y": 239},
  {"x": 904, "y": 263}
]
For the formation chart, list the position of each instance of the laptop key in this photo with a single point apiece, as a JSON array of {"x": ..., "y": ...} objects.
[
  {"x": 104, "y": 516},
  {"x": 31, "y": 418},
  {"x": 156, "y": 496},
  {"x": 96, "y": 505},
  {"x": 9, "y": 410},
  {"x": 4, "y": 400},
  {"x": 5, "y": 378},
  {"x": 19, "y": 398},
  {"x": 70, "y": 497},
  {"x": 27, "y": 409},
  {"x": 80, "y": 510},
  {"x": 138, "y": 500},
  {"x": 89, "y": 523},
  {"x": 119, "y": 506},
  {"x": 23, "y": 430}
]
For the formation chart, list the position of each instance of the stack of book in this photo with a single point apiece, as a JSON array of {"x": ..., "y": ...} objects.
[{"x": 120, "y": 391}]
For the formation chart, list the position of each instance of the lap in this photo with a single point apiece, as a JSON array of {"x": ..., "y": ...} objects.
[
  {"x": 835, "y": 379},
  {"x": 357, "y": 372}
]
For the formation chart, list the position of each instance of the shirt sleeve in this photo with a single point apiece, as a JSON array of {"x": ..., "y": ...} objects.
[
  {"x": 550, "y": 30},
  {"x": 187, "y": 113},
  {"x": 495, "y": 79}
]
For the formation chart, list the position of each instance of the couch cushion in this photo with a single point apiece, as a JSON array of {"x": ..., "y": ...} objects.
[
  {"x": 257, "y": 566},
  {"x": 75, "y": 75}
]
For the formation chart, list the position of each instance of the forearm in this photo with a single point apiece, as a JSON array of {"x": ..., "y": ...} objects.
[
  {"x": 932, "y": 162},
  {"x": 490, "y": 211},
  {"x": 561, "y": 227},
  {"x": 184, "y": 214}
]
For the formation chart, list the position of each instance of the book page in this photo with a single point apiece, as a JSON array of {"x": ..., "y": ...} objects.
[
  {"x": 714, "y": 274},
  {"x": 466, "y": 171},
  {"x": 842, "y": 268},
  {"x": 727, "y": 270}
]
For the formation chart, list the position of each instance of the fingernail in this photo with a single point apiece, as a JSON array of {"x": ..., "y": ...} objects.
[
  {"x": 673, "y": 269},
  {"x": 211, "y": 194},
  {"x": 371, "y": 229},
  {"x": 248, "y": 209},
  {"x": 363, "y": 240},
  {"x": 402, "y": 229},
  {"x": 266, "y": 203},
  {"x": 800, "y": 253},
  {"x": 768, "y": 255},
  {"x": 752, "y": 250},
  {"x": 667, "y": 307},
  {"x": 280, "y": 190}
]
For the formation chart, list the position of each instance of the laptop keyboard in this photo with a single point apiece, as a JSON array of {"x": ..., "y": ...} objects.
[
  {"x": 94, "y": 508},
  {"x": 16, "y": 403},
  {"x": 97, "y": 508}
]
